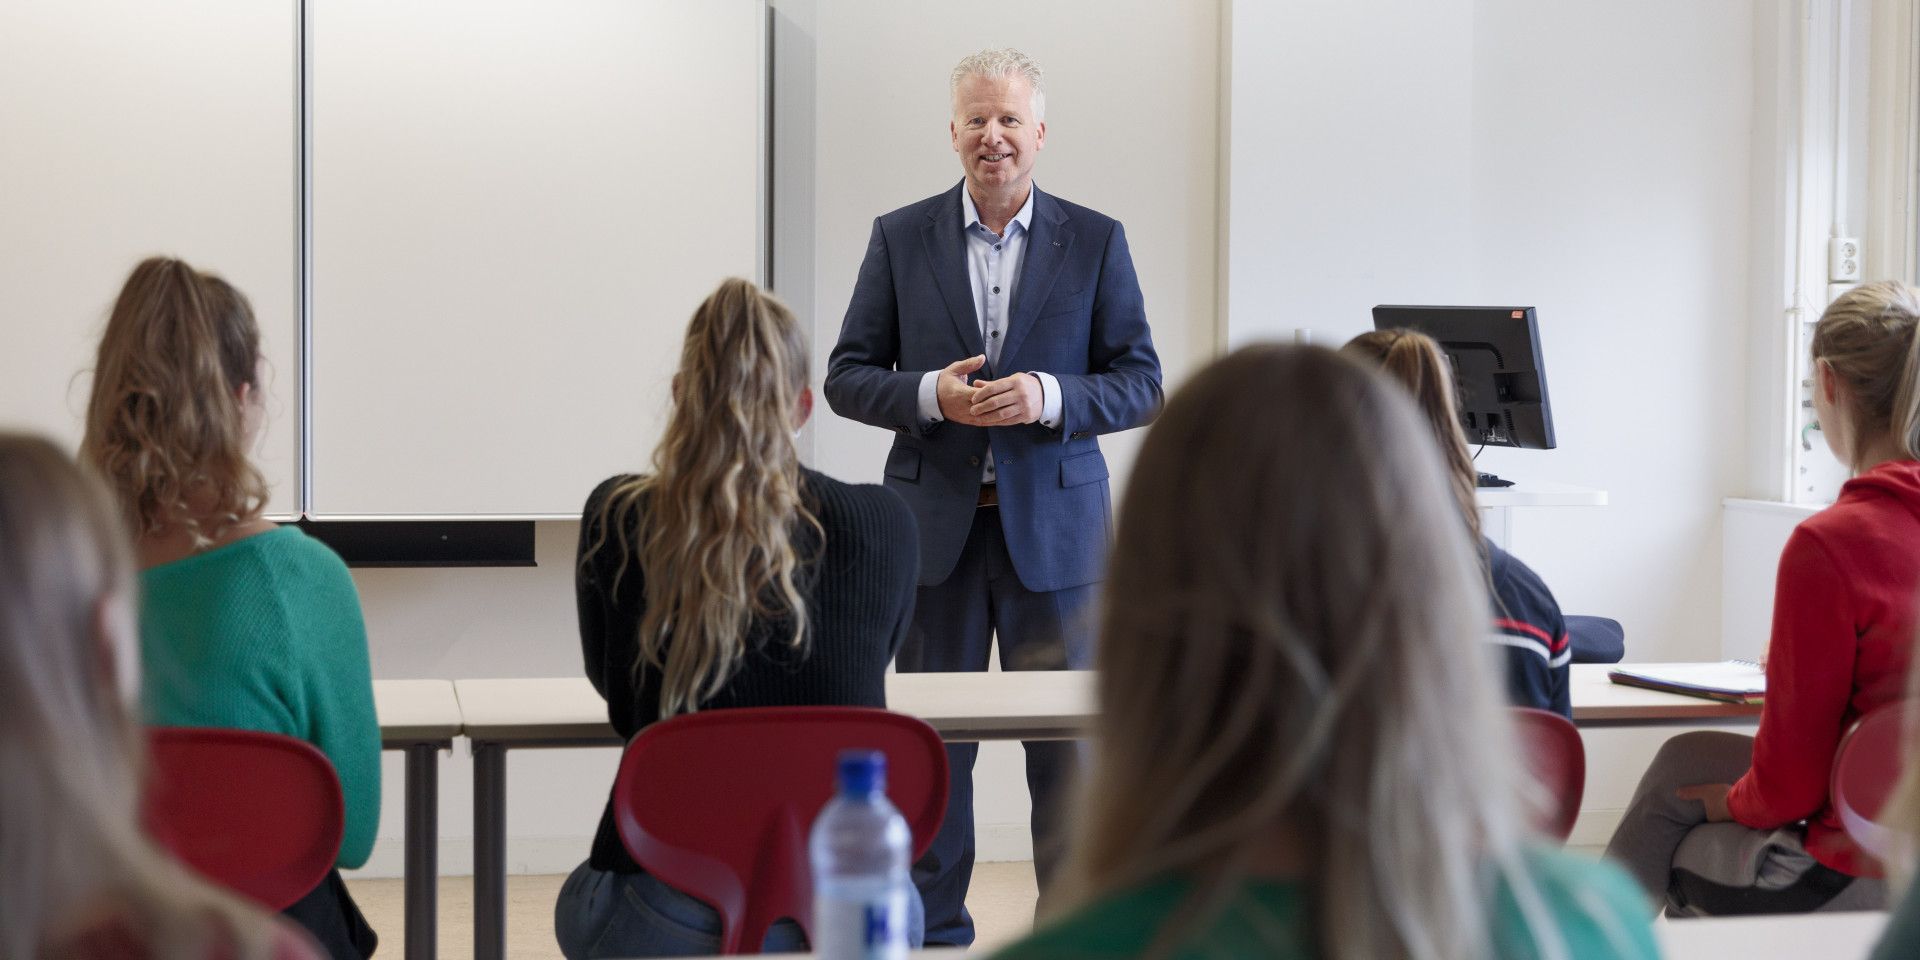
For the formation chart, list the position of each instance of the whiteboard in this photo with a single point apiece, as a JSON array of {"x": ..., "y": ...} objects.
[
  {"x": 130, "y": 128},
  {"x": 516, "y": 207}
]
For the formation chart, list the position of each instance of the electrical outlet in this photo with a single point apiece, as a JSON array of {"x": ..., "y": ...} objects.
[{"x": 1843, "y": 260}]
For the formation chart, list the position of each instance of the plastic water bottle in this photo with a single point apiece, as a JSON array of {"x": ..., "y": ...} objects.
[{"x": 860, "y": 847}]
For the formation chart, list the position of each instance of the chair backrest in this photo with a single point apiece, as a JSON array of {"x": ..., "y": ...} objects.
[
  {"x": 257, "y": 813},
  {"x": 719, "y": 804},
  {"x": 1557, "y": 759},
  {"x": 1865, "y": 770}
]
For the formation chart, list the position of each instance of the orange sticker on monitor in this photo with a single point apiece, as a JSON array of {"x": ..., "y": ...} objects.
[{"x": 1517, "y": 314}]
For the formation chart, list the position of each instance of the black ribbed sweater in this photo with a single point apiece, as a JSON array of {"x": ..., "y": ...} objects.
[{"x": 859, "y": 594}]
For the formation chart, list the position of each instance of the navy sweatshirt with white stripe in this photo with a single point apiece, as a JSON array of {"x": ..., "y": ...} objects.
[{"x": 1531, "y": 633}]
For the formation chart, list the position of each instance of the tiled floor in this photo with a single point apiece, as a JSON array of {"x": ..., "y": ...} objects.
[{"x": 1001, "y": 901}]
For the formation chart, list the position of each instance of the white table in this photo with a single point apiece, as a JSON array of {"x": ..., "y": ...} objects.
[
  {"x": 421, "y": 718},
  {"x": 566, "y": 712},
  {"x": 1599, "y": 702},
  {"x": 545, "y": 713},
  {"x": 1841, "y": 936},
  {"x": 1496, "y": 504}
]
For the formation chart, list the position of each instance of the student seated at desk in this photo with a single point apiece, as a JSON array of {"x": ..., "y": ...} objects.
[
  {"x": 1723, "y": 823},
  {"x": 1299, "y": 752},
  {"x": 244, "y": 624},
  {"x": 1526, "y": 619},
  {"x": 730, "y": 576},
  {"x": 79, "y": 880}
]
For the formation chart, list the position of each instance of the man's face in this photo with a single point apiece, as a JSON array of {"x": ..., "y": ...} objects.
[{"x": 995, "y": 133}]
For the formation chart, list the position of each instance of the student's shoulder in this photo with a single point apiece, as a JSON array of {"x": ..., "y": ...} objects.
[
  {"x": 605, "y": 489},
  {"x": 859, "y": 503},
  {"x": 1513, "y": 579},
  {"x": 593, "y": 512},
  {"x": 1594, "y": 905},
  {"x": 1117, "y": 925},
  {"x": 300, "y": 565}
]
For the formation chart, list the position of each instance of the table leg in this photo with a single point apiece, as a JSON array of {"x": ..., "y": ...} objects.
[
  {"x": 423, "y": 850},
  {"x": 489, "y": 850}
]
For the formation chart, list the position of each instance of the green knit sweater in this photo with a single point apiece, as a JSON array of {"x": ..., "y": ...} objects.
[
  {"x": 265, "y": 634},
  {"x": 1595, "y": 910}
]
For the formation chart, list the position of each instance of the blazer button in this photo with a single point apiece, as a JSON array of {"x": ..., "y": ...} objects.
[{"x": 973, "y": 461}]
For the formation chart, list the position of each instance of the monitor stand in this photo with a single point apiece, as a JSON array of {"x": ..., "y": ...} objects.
[{"x": 1489, "y": 480}]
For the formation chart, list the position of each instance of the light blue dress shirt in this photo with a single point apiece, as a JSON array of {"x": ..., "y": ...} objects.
[{"x": 993, "y": 274}]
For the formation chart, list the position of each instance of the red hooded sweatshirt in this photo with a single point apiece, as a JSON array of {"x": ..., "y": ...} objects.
[{"x": 1843, "y": 617}]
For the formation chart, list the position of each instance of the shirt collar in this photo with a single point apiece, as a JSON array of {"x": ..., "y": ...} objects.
[{"x": 971, "y": 214}]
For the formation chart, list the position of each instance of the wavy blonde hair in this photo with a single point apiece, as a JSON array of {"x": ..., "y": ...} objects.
[
  {"x": 1867, "y": 338},
  {"x": 71, "y": 752},
  {"x": 1291, "y": 650},
  {"x": 165, "y": 426},
  {"x": 1416, "y": 361},
  {"x": 724, "y": 503}
]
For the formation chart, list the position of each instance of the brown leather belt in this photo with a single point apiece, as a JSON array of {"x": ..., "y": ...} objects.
[{"x": 989, "y": 495}]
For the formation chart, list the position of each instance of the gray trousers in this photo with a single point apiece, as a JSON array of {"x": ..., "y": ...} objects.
[{"x": 1695, "y": 868}]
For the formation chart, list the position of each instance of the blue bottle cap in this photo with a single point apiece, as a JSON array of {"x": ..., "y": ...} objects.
[{"x": 862, "y": 772}]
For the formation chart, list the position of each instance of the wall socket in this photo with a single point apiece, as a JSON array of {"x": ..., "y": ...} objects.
[{"x": 1843, "y": 260}]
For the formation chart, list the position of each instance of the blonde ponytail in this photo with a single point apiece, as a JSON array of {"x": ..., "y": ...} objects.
[
  {"x": 1905, "y": 416},
  {"x": 165, "y": 426},
  {"x": 1867, "y": 337},
  {"x": 1416, "y": 361},
  {"x": 725, "y": 503}
]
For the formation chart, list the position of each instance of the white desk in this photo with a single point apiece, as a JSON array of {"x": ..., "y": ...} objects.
[
  {"x": 543, "y": 713},
  {"x": 1599, "y": 702},
  {"x": 567, "y": 712},
  {"x": 1540, "y": 494},
  {"x": 1496, "y": 504},
  {"x": 421, "y": 718},
  {"x": 1842, "y": 936}
]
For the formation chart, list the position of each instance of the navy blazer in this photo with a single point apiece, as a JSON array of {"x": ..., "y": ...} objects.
[{"x": 1077, "y": 313}]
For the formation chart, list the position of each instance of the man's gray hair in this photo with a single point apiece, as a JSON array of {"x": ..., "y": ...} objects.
[{"x": 1004, "y": 62}]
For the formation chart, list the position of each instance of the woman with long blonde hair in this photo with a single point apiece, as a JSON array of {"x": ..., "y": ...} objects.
[
  {"x": 1527, "y": 624},
  {"x": 78, "y": 878},
  {"x": 729, "y": 576},
  {"x": 1299, "y": 753},
  {"x": 1723, "y": 823},
  {"x": 244, "y": 624}
]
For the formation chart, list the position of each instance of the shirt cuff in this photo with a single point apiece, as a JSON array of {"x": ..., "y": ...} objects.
[
  {"x": 1049, "y": 400},
  {"x": 930, "y": 399}
]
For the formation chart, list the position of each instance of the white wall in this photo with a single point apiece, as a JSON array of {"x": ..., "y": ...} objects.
[{"x": 1569, "y": 156}]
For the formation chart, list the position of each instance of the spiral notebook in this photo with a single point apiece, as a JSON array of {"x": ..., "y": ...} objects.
[{"x": 1729, "y": 681}]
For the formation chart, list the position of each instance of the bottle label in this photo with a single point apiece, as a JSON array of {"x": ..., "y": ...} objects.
[{"x": 864, "y": 929}]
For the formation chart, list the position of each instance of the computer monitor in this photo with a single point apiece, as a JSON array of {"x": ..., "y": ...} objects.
[{"x": 1499, "y": 379}]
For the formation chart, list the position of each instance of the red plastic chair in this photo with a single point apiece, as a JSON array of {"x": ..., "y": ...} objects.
[
  {"x": 257, "y": 813},
  {"x": 1558, "y": 760},
  {"x": 1865, "y": 770},
  {"x": 719, "y": 804}
]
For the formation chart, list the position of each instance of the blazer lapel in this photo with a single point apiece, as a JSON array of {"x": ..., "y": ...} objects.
[
  {"x": 946, "y": 241},
  {"x": 1047, "y": 247}
]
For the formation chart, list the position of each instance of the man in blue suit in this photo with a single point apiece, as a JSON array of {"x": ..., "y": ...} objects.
[{"x": 999, "y": 331}]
